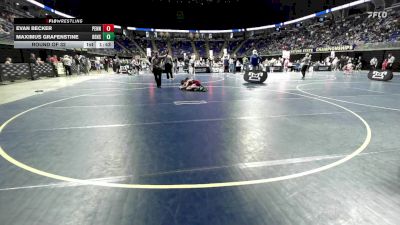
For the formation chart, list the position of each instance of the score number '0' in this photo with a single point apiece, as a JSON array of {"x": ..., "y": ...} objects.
[{"x": 108, "y": 27}]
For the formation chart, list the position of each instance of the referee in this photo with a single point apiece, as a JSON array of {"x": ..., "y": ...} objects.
[
  {"x": 157, "y": 66},
  {"x": 306, "y": 63}
]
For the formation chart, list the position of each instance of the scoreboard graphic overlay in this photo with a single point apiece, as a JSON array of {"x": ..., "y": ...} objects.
[{"x": 62, "y": 33}]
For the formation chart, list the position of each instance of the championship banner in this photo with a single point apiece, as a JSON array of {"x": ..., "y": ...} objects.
[
  {"x": 255, "y": 76},
  {"x": 324, "y": 49},
  {"x": 380, "y": 75}
]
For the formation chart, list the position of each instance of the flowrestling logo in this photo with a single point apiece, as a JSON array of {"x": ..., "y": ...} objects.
[
  {"x": 379, "y": 75},
  {"x": 125, "y": 69},
  {"x": 255, "y": 76},
  {"x": 380, "y": 15}
]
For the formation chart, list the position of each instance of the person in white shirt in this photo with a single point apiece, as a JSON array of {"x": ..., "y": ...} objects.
[
  {"x": 285, "y": 65},
  {"x": 335, "y": 64},
  {"x": 97, "y": 64},
  {"x": 328, "y": 61},
  {"x": 278, "y": 62},
  {"x": 67, "y": 61},
  {"x": 391, "y": 59},
  {"x": 192, "y": 64},
  {"x": 231, "y": 65},
  {"x": 238, "y": 64},
  {"x": 374, "y": 63},
  {"x": 168, "y": 65},
  {"x": 8, "y": 61}
]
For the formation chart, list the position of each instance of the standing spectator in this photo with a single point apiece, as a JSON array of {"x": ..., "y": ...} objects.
[
  {"x": 279, "y": 62},
  {"x": 245, "y": 63},
  {"x": 342, "y": 62},
  {"x": 77, "y": 64},
  {"x": 391, "y": 59},
  {"x": 385, "y": 64},
  {"x": 192, "y": 66},
  {"x": 286, "y": 65},
  {"x": 231, "y": 65},
  {"x": 238, "y": 65},
  {"x": 186, "y": 62},
  {"x": 32, "y": 59},
  {"x": 88, "y": 64},
  {"x": 374, "y": 63},
  {"x": 226, "y": 64},
  {"x": 234, "y": 63},
  {"x": 175, "y": 66},
  {"x": 136, "y": 65},
  {"x": 359, "y": 64},
  {"x": 54, "y": 59},
  {"x": 116, "y": 64},
  {"x": 48, "y": 59},
  {"x": 54, "y": 62},
  {"x": 106, "y": 63},
  {"x": 255, "y": 60},
  {"x": 97, "y": 64},
  {"x": 168, "y": 65},
  {"x": 82, "y": 63},
  {"x": 67, "y": 62},
  {"x": 335, "y": 64}
]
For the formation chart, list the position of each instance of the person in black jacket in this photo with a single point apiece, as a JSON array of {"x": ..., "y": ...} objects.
[
  {"x": 391, "y": 60},
  {"x": 226, "y": 64},
  {"x": 106, "y": 63},
  {"x": 32, "y": 59},
  {"x": 168, "y": 62},
  {"x": 77, "y": 64},
  {"x": 156, "y": 63}
]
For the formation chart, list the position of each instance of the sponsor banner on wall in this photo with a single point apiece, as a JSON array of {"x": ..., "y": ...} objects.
[
  {"x": 202, "y": 70},
  {"x": 322, "y": 68}
]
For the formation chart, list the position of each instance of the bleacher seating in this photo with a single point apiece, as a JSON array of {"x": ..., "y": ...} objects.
[
  {"x": 216, "y": 46},
  {"x": 201, "y": 48}
]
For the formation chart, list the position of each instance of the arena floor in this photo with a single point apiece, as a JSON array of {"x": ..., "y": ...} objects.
[{"x": 118, "y": 151}]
